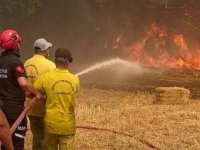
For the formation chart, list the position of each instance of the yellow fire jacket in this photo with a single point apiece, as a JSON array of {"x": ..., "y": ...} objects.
[
  {"x": 60, "y": 87},
  {"x": 35, "y": 67}
]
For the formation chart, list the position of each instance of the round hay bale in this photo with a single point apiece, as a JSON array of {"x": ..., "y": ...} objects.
[{"x": 172, "y": 95}]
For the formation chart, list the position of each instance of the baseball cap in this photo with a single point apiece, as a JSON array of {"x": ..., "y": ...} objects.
[{"x": 42, "y": 44}]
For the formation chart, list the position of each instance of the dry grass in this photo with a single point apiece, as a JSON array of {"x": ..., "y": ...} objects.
[
  {"x": 172, "y": 95},
  {"x": 165, "y": 126}
]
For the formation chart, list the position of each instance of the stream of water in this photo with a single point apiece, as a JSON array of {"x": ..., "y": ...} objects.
[{"x": 106, "y": 64}]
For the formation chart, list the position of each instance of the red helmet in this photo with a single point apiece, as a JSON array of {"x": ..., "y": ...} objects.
[{"x": 9, "y": 39}]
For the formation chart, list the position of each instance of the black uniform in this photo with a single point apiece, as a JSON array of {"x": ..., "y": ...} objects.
[{"x": 12, "y": 97}]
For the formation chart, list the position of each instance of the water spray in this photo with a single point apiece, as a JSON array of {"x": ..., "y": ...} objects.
[{"x": 107, "y": 63}]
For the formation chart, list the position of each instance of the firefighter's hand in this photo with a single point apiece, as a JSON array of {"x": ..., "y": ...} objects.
[
  {"x": 29, "y": 95},
  {"x": 44, "y": 96},
  {"x": 38, "y": 95}
]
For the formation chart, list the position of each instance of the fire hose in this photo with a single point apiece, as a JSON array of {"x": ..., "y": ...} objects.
[
  {"x": 120, "y": 133},
  {"x": 22, "y": 115},
  {"x": 34, "y": 100}
]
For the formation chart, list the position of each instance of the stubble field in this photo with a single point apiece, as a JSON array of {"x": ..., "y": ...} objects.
[
  {"x": 131, "y": 120},
  {"x": 115, "y": 110}
]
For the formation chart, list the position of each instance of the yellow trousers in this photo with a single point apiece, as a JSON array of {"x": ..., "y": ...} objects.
[{"x": 61, "y": 142}]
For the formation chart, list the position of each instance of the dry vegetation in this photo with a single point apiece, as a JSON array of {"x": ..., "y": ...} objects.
[
  {"x": 135, "y": 113},
  {"x": 172, "y": 95}
]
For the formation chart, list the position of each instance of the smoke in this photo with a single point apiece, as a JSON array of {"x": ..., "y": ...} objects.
[{"x": 95, "y": 30}]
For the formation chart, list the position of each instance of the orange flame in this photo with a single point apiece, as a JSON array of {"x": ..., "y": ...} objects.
[
  {"x": 162, "y": 57},
  {"x": 117, "y": 41}
]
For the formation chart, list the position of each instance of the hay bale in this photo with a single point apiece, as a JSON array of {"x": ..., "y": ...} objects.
[{"x": 172, "y": 95}]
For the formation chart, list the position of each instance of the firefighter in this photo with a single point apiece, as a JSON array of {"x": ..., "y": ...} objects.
[
  {"x": 35, "y": 67},
  {"x": 60, "y": 87},
  {"x": 13, "y": 84}
]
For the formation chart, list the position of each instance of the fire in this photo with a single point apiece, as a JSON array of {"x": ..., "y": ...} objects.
[
  {"x": 151, "y": 50},
  {"x": 180, "y": 42},
  {"x": 117, "y": 41}
]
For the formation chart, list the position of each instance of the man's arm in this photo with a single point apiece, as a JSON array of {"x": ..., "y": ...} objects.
[
  {"x": 5, "y": 134},
  {"x": 20, "y": 75},
  {"x": 27, "y": 86}
]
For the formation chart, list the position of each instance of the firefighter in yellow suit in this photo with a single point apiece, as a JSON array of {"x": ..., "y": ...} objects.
[
  {"x": 60, "y": 87},
  {"x": 35, "y": 67}
]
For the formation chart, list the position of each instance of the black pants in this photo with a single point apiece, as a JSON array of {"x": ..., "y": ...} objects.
[{"x": 12, "y": 112}]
